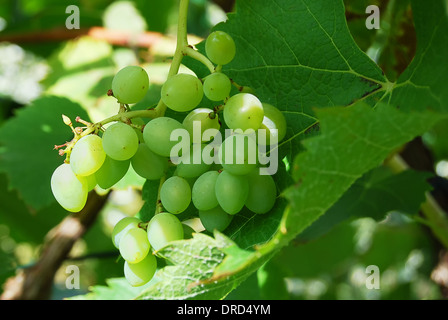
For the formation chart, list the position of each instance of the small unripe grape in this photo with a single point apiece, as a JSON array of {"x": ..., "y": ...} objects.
[
  {"x": 175, "y": 194},
  {"x": 215, "y": 219},
  {"x": 141, "y": 272},
  {"x": 130, "y": 84},
  {"x": 203, "y": 191},
  {"x": 134, "y": 245},
  {"x": 120, "y": 141},
  {"x": 231, "y": 191},
  {"x": 217, "y": 86},
  {"x": 111, "y": 172},
  {"x": 69, "y": 190},
  {"x": 220, "y": 47},
  {"x": 243, "y": 111},
  {"x": 164, "y": 228},
  {"x": 157, "y": 135},
  {"x": 182, "y": 92},
  {"x": 147, "y": 164},
  {"x": 274, "y": 123},
  {"x": 121, "y": 227},
  {"x": 87, "y": 155},
  {"x": 262, "y": 192}
]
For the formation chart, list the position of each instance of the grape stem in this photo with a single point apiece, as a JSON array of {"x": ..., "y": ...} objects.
[{"x": 189, "y": 51}]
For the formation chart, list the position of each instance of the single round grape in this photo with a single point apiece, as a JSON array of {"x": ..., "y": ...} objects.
[
  {"x": 243, "y": 111},
  {"x": 238, "y": 154},
  {"x": 111, "y": 172},
  {"x": 262, "y": 192},
  {"x": 206, "y": 119},
  {"x": 164, "y": 228},
  {"x": 220, "y": 47},
  {"x": 182, "y": 92},
  {"x": 231, "y": 191},
  {"x": 175, "y": 194},
  {"x": 134, "y": 245},
  {"x": 147, "y": 164},
  {"x": 120, "y": 141},
  {"x": 192, "y": 164},
  {"x": 130, "y": 84},
  {"x": 274, "y": 123},
  {"x": 215, "y": 219},
  {"x": 157, "y": 135},
  {"x": 203, "y": 192},
  {"x": 69, "y": 190},
  {"x": 217, "y": 86},
  {"x": 121, "y": 227},
  {"x": 87, "y": 155},
  {"x": 141, "y": 272}
]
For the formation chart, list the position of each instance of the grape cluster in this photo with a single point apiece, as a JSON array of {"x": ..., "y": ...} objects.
[{"x": 217, "y": 189}]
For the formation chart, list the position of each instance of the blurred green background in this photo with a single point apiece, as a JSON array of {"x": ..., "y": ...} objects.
[{"x": 40, "y": 57}]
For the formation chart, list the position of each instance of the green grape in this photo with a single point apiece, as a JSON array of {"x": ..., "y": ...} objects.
[
  {"x": 262, "y": 192},
  {"x": 203, "y": 192},
  {"x": 191, "y": 164},
  {"x": 134, "y": 245},
  {"x": 157, "y": 135},
  {"x": 130, "y": 84},
  {"x": 220, "y": 47},
  {"x": 182, "y": 92},
  {"x": 207, "y": 119},
  {"x": 243, "y": 111},
  {"x": 215, "y": 218},
  {"x": 111, "y": 172},
  {"x": 217, "y": 86},
  {"x": 164, "y": 228},
  {"x": 87, "y": 155},
  {"x": 273, "y": 120},
  {"x": 175, "y": 194},
  {"x": 120, "y": 141},
  {"x": 238, "y": 154},
  {"x": 69, "y": 190},
  {"x": 231, "y": 191},
  {"x": 141, "y": 272},
  {"x": 147, "y": 164},
  {"x": 121, "y": 227}
]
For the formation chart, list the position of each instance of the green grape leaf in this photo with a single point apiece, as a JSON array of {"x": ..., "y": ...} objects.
[
  {"x": 374, "y": 195},
  {"x": 115, "y": 289},
  {"x": 194, "y": 262},
  {"x": 27, "y": 142},
  {"x": 423, "y": 84}
]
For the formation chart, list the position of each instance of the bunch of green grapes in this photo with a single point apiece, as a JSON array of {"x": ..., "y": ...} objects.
[
  {"x": 138, "y": 243},
  {"x": 201, "y": 174}
]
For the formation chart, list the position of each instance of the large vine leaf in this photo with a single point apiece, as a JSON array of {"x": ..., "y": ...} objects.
[{"x": 375, "y": 194}]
